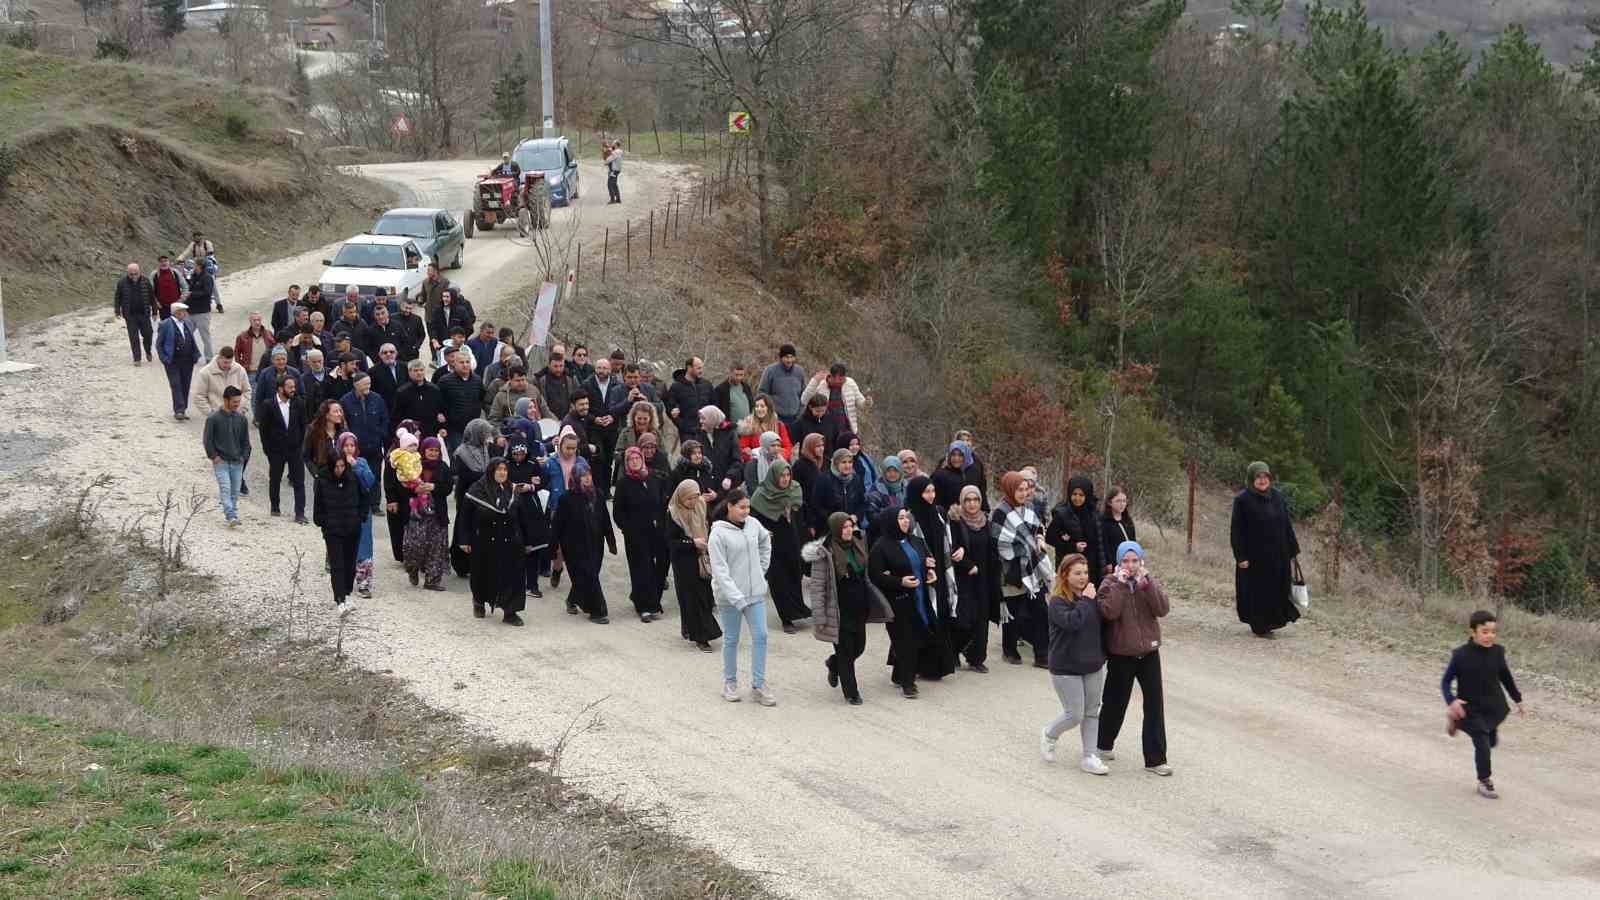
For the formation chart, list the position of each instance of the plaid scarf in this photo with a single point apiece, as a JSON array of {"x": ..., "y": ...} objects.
[{"x": 1019, "y": 541}]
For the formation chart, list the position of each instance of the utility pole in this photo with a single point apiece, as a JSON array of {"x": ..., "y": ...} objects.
[{"x": 547, "y": 69}]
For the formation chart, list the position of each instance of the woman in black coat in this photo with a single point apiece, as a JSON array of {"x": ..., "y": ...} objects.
[
  {"x": 692, "y": 466},
  {"x": 491, "y": 535},
  {"x": 898, "y": 565},
  {"x": 583, "y": 529},
  {"x": 688, "y": 529},
  {"x": 1075, "y": 525},
  {"x": 779, "y": 506},
  {"x": 338, "y": 508},
  {"x": 977, "y": 579},
  {"x": 527, "y": 476},
  {"x": 722, "y": 452},
  {"x": 1116, "y": 526},
  {"x": 1264, "y": 547},
  {"x": 808, "y": 467},
  {"x": 470, "y": 461},
  {"x": 638, "y": 507},
  {"x": 939, "y": 659}
]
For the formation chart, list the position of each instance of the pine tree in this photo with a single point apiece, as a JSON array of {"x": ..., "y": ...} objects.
[
  {"x": 1279, "y": 440},
  {"x": 511, "y": 94},
  {"x": 171, "y": 16}
]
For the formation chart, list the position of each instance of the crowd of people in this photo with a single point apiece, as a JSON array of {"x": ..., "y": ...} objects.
[{"x": 735, "y": 494}]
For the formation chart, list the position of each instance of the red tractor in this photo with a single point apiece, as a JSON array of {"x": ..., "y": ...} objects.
[{"x": 498, "y": 198}]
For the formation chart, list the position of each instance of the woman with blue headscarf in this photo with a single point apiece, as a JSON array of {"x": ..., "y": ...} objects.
[
  {"x": 1133, "y": 604},
  {"x": 903, "y": 569},
  {"x": 959, "y": 469}
]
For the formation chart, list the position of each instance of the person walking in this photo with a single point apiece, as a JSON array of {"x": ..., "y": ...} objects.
[
  {"x": 639, "y": 506},
  {"x": 1264, "y": 551},
  {"x": 337, "y": 509},
  {"x": 527, "y": 475},
  {"x": 901, "y": 568},
  {"x": 362, "y": 582},
  {"x": 957, "y": 472},
  {"x": 778, "y": 505},
  {"x": 202, "y": 297},
  {"x": 784, "y": 381},
  {"x": 282, "y": 424},
  {"x": 170, "y": 284},
  {"x": 252, "y": 347},
  {"x": 847, "y": 404},
  {"x": 368, "y": 415},
  {"x": 175, "y": 347},
  {"x": 938, "y": 658},
  {"x": 1077, "y": 663},
  {"x": 688, "y": 536},
  {"x": 322, "y": 437},
  {"x": 889, "y": 493},
  {"x": 226, "y": 439},
  {"x": 754, "y": 428},
  {"x": 1075, "y": 525},
  {"x": 491, "y": 535},
  {"x": 689, "y": 394},
  {"x": 581, "y": 525},
  {"x": 977, "y": 580},
  {"x": 1025, "y": 573},
  {"x": 613, "y": 161},
  {"x": 427, "y": 536},
  {"x": 469, "y": 463},
  {"x": 1133, "y": 604},
  {"x": 741, "y": 551},
  {"x": 1116, "y": 525},
  {"x": 134, "y": 302},
  {"x": 1476, "y": 704},
  {"x": 838, "y": 591}
]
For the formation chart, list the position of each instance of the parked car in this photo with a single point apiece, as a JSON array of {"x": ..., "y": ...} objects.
[
  {"x": 371, "y": 261},
  {"x": 553, "y": 157},
  {"x": 438, "y": 234}
]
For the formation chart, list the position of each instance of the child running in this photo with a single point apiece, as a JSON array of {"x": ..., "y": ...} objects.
[
  {"x": 1477, "y": 705},
  {"x": 1077, "y": 662}
]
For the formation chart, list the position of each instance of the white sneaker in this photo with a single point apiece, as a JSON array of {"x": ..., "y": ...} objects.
[
  {"x": 730, "y": 691},
  {"x": 344, "y": 607},
  {"x": 1094, "y": 766},
  {"x": 763, "y": 695},
  {"x": 1163, "y": 770},
  {"x": 1106, "y": 755},
  {"x": 1047, "y": 747}
]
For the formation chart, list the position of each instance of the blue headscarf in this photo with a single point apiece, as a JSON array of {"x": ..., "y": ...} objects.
[
  {"x": 966, "y": 453},
  {"x": 1124, "y": 547}
]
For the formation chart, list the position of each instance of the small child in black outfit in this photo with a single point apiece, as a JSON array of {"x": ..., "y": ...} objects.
[{"x": 1477, "y": 705}]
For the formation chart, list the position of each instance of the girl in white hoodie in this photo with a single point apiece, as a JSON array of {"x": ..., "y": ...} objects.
[{"x": 740, "y": 552}]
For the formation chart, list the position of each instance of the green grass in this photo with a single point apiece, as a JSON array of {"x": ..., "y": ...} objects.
[{"x": 134, "y": 828}]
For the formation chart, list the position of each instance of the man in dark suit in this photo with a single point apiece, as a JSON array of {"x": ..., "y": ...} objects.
[
  {"x": 387, "y": 375},
  {"x": 606, "y": 390},
  {"x": 281, "y": 421},
  {"x": 283, "y": 310},
  {"x": 175, "y": 347},
  {"x": 383, "y": 330}
]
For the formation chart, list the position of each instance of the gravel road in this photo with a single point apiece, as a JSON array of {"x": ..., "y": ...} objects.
[{"x": 1311, "y": 766}]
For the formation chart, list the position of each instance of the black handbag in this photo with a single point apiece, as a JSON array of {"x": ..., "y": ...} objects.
[{"x": 880, "y": 613}]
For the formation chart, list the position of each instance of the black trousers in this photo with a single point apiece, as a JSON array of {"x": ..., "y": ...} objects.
[
  {"x": 342, "y": 562},
  {"x": 611, "y": 186},
  {"x": 1483, "y": 740},
  {"x": 532, "y": 565},
  {"x": 397, "y": 530},
  {"x": 297, "y": 480},
  {"x": 851, "y": 644},
  {"x": 643, "y": 580},
  {"x": 586, "y": 591},
  {"x": 973, "y": 643},
  {"x": 178, "y": 374},
  {"x": 1121, "y": 673},
  {"x": 140, "y": 330},
  {"x": 1032, "y": 626}
]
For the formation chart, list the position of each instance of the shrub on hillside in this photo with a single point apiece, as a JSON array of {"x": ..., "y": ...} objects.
[
  {"x": 23, "y": 37},
  {"x": 114, "y": 48},
  {"x": 1554, "y": 582},
  {"x": 8, "y": 165}
]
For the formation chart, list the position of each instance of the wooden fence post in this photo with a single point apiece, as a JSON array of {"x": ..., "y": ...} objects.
[
  {"x": 628, "y": 247},
  {"x": 605, "y": 252},
  {"x": 651, "y": 244},
  {"x": 1192, "y": 475}
]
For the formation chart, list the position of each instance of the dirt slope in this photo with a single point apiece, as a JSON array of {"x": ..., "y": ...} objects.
[{"x": 1308, "y": 766}]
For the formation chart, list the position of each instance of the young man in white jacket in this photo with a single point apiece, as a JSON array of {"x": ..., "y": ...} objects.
[{"x": 740, "y": 552}]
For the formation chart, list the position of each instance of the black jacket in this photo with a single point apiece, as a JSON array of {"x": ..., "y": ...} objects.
[
  {"x": 412, "y": 333},
  {"x": 581, "y": 527},
  {"x": 1070, "y": 525},
  {"x": 462, "y": 400},
  {"x": 340, "y": 505},
  {"x": 447, "y": 317},
  {"x": 373, "y": 336},
  {"x": 824, "y": 426},
  {"x": 277, "y": 439},
  {"x": 1112, "y": 534},
  {"x": 134, "y": 297},
  {"x": 688, "y": 398},
  {"x": 558, "y": 392},
  {"x": 638, "y": 505},
  {"x": 722, "y": 451},
  {"x": 202, "y": 290},
  {"x": 1077, "y": 646},
  {"x": 386, "y": 384}
]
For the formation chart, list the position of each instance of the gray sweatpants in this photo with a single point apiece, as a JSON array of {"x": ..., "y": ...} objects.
[
  {"x": 201, "y": 322},
  {"x": 1080, "y": 704}
]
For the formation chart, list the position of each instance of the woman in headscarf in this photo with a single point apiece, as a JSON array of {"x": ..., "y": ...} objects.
[
  {"x": 1038, "y": 496},
  {"x": 837, "y": 490},
  {"x": 753, "y": 430},
  {"x": 526, "y": 476},
  {"x": 638, "y": 507},
  {"x": 1075, "y": 525},
  {"x": 655, "y": 459},
  {"x": 975, "y": 472},
  {"x": 643, "y": 419},
  {"x": 928, "y": 522},
  {"x": 560, "y": 472},
  {"x": 523, "y": 427},
  {"x": 369, "y": 480},
  {"x": 687, "y": 533},
  {"x": 837, "y": 591},
  {"x": 957, "y": 471},
  {"x": 338, "y": 506},
  {"x": 491, "y": 536},
  {"x": 721, "y": 450},
  {"x": 890, "y": 491},
  {"x": 427, "y": 547},
  {"x": 1264, "y": 548},
  {"x": 1116, "y": 526},
  {"x": 756, "y": 464},
  {"x": 322, "y": 437},
  {"x": 471, "y": 460},
  {"x": 808, "y": 468},
  {"x": 398, "y": 513},
  {"x": 1133, "y": 604},
  {"x": 866, "y": 469},
  {"x": 778, "y": 505},
  {"x": 902, "y": 569},
  {"x": 1026, "y": 573},
  {"x": 584, "y": 531},
  {"x": 692, "y": 466},
  {"x": 977, "y": 579}
]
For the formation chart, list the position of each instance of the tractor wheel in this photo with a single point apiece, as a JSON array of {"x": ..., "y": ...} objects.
[{"x": 469, "y": 223}]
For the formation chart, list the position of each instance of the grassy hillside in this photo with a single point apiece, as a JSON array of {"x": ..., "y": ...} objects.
[{"x": 117, "y": 162}]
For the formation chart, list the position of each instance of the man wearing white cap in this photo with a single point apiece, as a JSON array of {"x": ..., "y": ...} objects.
[{"x": 176, "y": 348}]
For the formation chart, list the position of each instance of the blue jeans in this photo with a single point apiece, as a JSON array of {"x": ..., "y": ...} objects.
[
  {"x": 229, "y": 476},
  {"x": 732, "y": 617}
]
